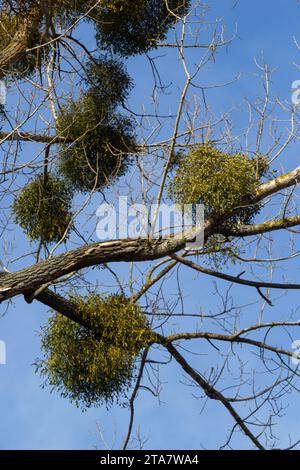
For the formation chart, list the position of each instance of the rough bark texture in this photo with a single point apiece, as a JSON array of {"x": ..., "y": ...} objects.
[
  {"x": 277, "y": 184},
  {"x": 59, "y": 304},
  {"x": 19, "y": 43}
]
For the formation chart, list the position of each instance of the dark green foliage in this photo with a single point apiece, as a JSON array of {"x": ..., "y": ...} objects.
[
  {"x": 101, "y": 137},
  {"x": 108, "y": 81},
  {"x": 133, "y": 27},
  {"x": 122, "y": 26},
  {"x": 95, "y": 365},
  {"x": 101, "y": 143},
  {"x": 79, "y": 6},
  {"x": 127, "y": 27},
  {"x": 43, "y": 208},
  {"x": 219, "y": 180}
]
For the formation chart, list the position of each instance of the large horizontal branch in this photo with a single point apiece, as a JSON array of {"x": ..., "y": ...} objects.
[
  {"x": 31, "y": 278},
  {"x": 130, "y": 250}
]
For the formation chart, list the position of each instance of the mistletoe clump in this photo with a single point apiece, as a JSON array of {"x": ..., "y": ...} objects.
[
  {"x": 108, "y": 80},
  {"x": 225, "y": 183},
  {"x": 100, "y": 138},
  {"x": 101, "y": 144},
  {"x": 43, "y": 208},
  {"x": 124, "y": 27},
  {"x": 94, "y": 364},
  {"x": 130, "y": 28}
]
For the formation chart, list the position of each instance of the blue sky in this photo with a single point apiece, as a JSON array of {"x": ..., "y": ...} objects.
[{"x": 32, "y": 417}]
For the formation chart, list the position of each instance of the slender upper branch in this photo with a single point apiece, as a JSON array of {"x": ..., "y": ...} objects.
[
  {"x": 30, "y": 137},
  {"x": 277, "y": 184},
  {"x": 235, "y": 279},
  {"x": 256, "y": 229}
]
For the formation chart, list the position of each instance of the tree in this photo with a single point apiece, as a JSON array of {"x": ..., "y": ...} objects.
[{"x": 99, "y": 347}]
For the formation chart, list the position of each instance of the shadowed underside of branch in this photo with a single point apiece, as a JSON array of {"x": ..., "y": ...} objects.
[{"x": 19, "y": 43}]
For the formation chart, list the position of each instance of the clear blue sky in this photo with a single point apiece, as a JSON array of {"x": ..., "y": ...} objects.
[{"x": 32, "y": 417}]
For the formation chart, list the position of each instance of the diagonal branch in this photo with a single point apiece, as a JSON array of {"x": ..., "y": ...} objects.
[
  {"x": 59, "y": 304},
  {"x": 211, "y": 392},
  {"x": 277, "y": 184},
  {"x": 235, "y": 279}
]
